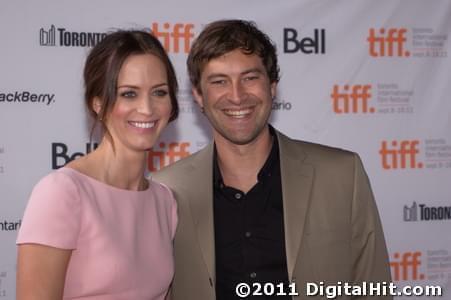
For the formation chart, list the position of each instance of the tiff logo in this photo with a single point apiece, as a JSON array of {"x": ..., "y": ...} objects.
[
  {"x": 406, "y": 266},
  {"x": 389, "y": 42},
  {"x": 353, "y": 99},
  {"x": 47, "y": 37},
  {"x": 400, "y": 155},
  {"x": 159, "y": 159},
  {"x": 171, "y": 36},
  {"x": 410, "y": 213}
]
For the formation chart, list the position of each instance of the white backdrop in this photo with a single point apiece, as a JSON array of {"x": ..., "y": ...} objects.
[{"x": 369, "y": 76}]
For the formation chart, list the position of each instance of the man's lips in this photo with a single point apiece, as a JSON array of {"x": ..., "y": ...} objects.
[{"x": 238, "y": 113}]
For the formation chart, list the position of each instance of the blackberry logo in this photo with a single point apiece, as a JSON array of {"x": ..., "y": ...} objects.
[
  {"x": 62, "y": 37},
  {"x": 25, "y": 96}
]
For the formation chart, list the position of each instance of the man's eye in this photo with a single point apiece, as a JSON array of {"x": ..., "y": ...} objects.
[
  {"x": 249, "y": 78},
  {"x": 218, "y": 82},
  {"x": 128, "y": 94}
]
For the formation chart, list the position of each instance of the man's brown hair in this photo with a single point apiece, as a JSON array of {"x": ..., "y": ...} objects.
[{"x": 223, "y": 36}]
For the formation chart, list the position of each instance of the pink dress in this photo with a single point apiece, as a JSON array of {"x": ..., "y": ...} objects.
[{"x": 121, "y": 239}]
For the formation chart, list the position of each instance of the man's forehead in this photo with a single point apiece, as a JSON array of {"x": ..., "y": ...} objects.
[{"x": 236, "y": 61}]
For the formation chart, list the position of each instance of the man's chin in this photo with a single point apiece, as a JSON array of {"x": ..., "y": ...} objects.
[{"x": 240, "y": 139}]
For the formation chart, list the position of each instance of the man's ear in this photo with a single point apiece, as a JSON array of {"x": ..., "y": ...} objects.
[
  {"x": 97, "y": 105},
  {"x": 198, "y": 97},
  {"x": 273, "y": 90}
]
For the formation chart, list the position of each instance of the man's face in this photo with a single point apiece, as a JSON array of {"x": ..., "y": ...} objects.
[{"x": 236, "y": 95}]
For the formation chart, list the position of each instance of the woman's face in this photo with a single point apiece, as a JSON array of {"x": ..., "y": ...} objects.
[{"x": 143, "y": 105}]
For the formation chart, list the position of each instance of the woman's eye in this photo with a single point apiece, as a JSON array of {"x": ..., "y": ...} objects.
[
  {"x": 160, "y": 93},
  {"x": 128, "y": 94}
]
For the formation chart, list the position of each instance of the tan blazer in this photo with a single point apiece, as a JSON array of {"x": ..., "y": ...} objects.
[{"x": 332, "y": 227}]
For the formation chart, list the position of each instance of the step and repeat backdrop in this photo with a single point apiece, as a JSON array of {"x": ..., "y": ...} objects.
[{"x": 369, "y": 76}]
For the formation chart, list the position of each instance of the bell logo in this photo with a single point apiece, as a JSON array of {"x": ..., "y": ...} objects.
[
  {"x": 402, "y": 155},
  {"x": 354, "y": 99},
  {"x": 389, "y": 42},
  {"x": 60, "y": 155},
  {"x": 405, "y": 266},
  {"x": 315, "y": 44},
  {"x": 159, "y": 159},
  {"x": 172, "y": 35}
]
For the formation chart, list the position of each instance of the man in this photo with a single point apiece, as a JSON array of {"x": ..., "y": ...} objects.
[{"x": 255, "y": 206}]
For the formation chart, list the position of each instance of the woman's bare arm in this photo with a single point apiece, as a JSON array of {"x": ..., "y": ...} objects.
[{"x": 41, "y": 272}]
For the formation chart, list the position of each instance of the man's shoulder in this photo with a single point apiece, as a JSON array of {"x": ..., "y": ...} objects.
[
  {"x": 314, "y": 151},
  {"x": 183, "y": 166}
]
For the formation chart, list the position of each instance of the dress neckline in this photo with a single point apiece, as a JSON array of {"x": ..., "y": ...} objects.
[{"x": 101, "y": 183}]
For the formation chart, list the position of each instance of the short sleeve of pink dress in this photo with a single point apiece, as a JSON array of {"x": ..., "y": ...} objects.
[{"x": 121, "y": 239}]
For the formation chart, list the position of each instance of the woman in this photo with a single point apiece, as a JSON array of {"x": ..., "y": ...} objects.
[{"x": 97, "y": 228}]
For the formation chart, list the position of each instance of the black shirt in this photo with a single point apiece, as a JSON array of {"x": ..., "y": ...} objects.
[{"x": 249, "y": 232}]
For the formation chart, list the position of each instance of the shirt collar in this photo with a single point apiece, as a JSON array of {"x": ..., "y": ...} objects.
[{"x": 266, "y": 170}]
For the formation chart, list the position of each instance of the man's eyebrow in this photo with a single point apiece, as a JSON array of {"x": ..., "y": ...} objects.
[
  {"x": 214, "y": 75},
  {"x": 252, "y": 70}
]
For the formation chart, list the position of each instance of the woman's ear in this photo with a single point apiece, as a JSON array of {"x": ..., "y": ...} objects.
[{"x": 97, "y": 105}]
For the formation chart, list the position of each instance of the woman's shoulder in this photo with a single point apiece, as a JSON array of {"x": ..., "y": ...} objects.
[
  {"x": 60, "y": 179},
  {"x": 58, "y": 184}
]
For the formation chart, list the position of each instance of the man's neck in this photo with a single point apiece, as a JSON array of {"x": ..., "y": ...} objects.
[{"x": 240, "y": 164}]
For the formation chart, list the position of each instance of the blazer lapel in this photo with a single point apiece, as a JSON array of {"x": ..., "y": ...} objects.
[
  {"x": 201, "y": 205},
  {"x": 297, "y": 179}
]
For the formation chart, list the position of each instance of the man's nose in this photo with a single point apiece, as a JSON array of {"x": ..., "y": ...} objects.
[{"x": 237, "y": 93}]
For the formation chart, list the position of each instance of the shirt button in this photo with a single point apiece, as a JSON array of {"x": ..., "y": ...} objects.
[
  {"x": 248, "y": 234},
  {"x": 237, "y": 196},
  {"x": 253, "y": 275}
]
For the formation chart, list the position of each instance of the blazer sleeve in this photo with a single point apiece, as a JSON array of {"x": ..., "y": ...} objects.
[{"x": 369, "y": 251}]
